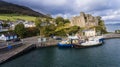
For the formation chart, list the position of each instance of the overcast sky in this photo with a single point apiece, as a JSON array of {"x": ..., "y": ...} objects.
[{"x": 109, "y": 10}]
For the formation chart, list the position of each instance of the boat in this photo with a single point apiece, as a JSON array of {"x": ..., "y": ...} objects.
[
  {"x": 93, "y": 41},
  {"x": 74, "y": 41},
  {"x": 68, "y": 43},
  {"x": 97, "y": 38}
]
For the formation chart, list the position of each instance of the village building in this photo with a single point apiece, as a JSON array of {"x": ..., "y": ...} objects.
[
  {"x": 8, "y": 36},
  {"x": 29, "y": 24},
  {"x": 89, "y": 33},
  {"x": 0, "y": 26},
  {"x": 26, "y": 24}
]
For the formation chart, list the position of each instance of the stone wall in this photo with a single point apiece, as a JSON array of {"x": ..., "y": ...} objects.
[{"x": 84, "y": 20}]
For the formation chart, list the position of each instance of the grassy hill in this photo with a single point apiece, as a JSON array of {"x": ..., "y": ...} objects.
[
  {"x": 9, "y": 8},
  {"x": 13, "y": 17}
]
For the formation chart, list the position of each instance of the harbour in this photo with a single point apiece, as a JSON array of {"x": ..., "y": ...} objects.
[
  {"x": 106, "y": 55},
  {"x": 7, "y": 53},
  {"x": 28, "y": 44},
  {"x": 58, "y": 34}
]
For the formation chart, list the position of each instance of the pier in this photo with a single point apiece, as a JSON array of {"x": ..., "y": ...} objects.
[
  {"x": 11, "y": 53},
  {"x": 26, "y": 44},
  {"x": 111, "y": 35}
]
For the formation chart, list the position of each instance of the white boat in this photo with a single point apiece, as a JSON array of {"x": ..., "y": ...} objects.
[{"x": 92, "y": 41}]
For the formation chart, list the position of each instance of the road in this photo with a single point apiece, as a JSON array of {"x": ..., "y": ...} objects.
[{"x": 30, "y": 40}]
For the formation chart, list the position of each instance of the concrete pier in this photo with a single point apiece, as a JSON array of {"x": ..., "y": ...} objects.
[
  {"x": 46, "y": 44},
  {"x": 9, "y": 54},
  {"x": 111, "y": 35},
  {"x": 27, "y": 44}
]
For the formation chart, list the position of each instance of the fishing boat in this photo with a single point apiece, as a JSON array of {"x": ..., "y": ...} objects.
[
  {"x": 69, "y": 42},
  {"x": 93, "y": 41},
  {"x": 74, "y": 41}
]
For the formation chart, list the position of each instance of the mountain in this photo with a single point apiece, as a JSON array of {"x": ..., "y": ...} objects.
[
  {"x": 9, "y": 8},
  {"x": 118, "y": 24}
]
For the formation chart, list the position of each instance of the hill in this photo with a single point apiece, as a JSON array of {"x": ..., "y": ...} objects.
[
  {"x": 14, "y": 17},
  {"x": 118, "y": 24},
  {"x": 9, "y": 8}
]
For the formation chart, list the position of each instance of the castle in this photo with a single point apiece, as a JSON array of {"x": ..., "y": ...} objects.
[{"x": 85, "y": 20}]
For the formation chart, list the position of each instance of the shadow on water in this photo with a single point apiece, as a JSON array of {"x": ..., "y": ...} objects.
[
  {"x": 23, "y": 53},
  {"x": 18, "y": 55}
]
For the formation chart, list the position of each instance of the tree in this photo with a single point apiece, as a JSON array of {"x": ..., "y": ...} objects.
[
  {"x": 32, "y": 31},
  {"x": 20, "y": 30},
  {"x": 72, "y": 30},
  {"x": 66, "y": 21},
  {"x": 38, "y": 22},
  {"x": 47, "y": 30},
  {"x": 59, "y": 19},
  {"x": 102, "y": 27}
]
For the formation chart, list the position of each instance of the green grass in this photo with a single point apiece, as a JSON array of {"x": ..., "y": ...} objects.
[
  {"x": 67, "y": 25},
  {"x": 14, "y": 17}
]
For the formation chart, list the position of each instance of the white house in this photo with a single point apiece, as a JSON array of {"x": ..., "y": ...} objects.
[
  {"x": 29, "y": 24},
  {"x": 0, "y": 26},
  {"x": 8, "y": 37},
  {"x": 89, "y": 33},
  {"x": 26, "y": 24}
]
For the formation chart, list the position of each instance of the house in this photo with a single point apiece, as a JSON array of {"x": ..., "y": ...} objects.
[
  {"x": 26, "y": 24},
  {"x": 4, "y": 27},
  {"x": 29, "y": 24},
  {"x": 8, "y": 36},
  {"x": 0, "y": 26},
  {"x": 44, "y": 24},
  {"x": 89, "y": 33}
]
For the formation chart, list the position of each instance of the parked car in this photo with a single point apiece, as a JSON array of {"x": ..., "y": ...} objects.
[
  {"x": 16, "y": 40},
  {"x": 58, "y": 38}
]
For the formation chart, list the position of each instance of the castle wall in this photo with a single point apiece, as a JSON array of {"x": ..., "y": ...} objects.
[{"x": 84, "y": 20}]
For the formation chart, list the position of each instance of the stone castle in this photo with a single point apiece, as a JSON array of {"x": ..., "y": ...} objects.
[{"x": 85, "y": 20}]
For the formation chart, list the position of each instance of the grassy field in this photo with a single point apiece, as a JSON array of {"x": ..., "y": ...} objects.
[
  {"x": 67, "y": 25},
  {"x": 14, "y": 17}
]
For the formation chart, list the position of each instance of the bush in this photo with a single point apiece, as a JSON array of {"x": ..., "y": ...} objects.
[
  {"x": 33, "y": 31},
  {"x": 20, "y": 30}
]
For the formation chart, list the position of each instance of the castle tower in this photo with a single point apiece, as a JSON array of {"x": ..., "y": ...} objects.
[{"x": 84, "y": 20}]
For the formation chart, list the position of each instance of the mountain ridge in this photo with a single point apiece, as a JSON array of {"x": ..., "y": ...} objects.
[
  {"x": 10, "y": 8},
  {"x": 113, "y": 24}
]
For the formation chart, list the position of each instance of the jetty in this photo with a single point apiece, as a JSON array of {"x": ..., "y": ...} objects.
[
  {"x": 13, "y": 52},
  {"x": 25, "y": 45},
  {"x": 111, "y": 35}
]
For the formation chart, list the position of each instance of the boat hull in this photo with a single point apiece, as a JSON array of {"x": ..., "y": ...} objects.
[
  {"x": 101, "y": 40},
  {"x": 86, "y": 46},
  {"x": 65, "y": 45}
]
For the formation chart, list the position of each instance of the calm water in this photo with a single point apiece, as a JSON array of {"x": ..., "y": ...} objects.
[{"x": 107, "y": 55}]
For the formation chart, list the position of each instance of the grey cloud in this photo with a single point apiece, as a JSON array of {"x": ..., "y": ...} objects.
[{"x": 68, "y": 8}]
